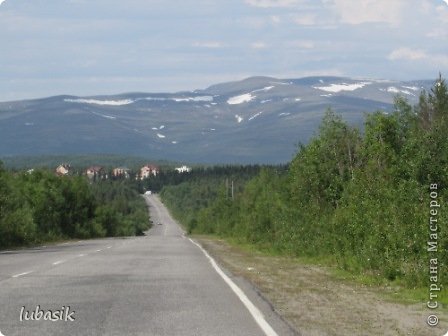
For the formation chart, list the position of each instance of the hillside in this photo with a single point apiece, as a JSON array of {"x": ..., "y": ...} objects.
[{"x": 259, "y": 119}]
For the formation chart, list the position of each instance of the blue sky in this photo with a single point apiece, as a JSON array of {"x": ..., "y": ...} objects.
[{"x": 89, "y": 47}]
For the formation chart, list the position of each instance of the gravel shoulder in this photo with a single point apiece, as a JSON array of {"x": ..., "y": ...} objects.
[{"x": 317, "y": 303}]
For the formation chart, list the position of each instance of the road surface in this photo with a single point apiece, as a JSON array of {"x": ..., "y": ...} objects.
[{"x": 158, "y": 284}]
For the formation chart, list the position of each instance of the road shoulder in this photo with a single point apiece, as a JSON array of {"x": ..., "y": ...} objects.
[{"x": 315, "y": 302}]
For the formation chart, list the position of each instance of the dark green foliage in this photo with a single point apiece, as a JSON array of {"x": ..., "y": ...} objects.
[
  {"x": 39, "y": 206},
  {"x": 120, "y": 211},
  {"x": 186, "y": 194},
  {"x": 16, "y": 221},
  {"x": 361, "y": 200}
]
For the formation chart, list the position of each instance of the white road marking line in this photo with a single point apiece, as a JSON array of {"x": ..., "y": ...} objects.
[
  {"x": 20, "y": 274},
  {"x": 109, "y": 247},
  {"x": 58, "y": 262},
  {"x": 81, "y": 255},
  {"x": 98, "y": 250},
  {"x": 254, "y": 311}
]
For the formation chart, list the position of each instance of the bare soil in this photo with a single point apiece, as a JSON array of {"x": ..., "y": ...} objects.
[{"x": 317, "y": 303}]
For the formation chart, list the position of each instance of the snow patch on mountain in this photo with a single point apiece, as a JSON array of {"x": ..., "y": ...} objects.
[
  {"x": 156, "y": 98},
  {"x": 194, "y": 99},
  {"x": 255, "y": 115},
  {"x": 281, "y": 83},
  {"x": 393, "y": 89},
  {"x": 244, "y": 98},
  {"x": 265, "y": 101},
  {"x": 239, "y": 118},
  {"x": 104, "y": 115},
  {"x": 407, "y": 92},
  {"x": 161, "y": 135},
  {"x": 100, "y": 102},
  {"x": 413, "y": 88},
  {"x": 182, "y": 99},
  {"x": 267, "y": 88},
  {"x": 342, "y": 87}
]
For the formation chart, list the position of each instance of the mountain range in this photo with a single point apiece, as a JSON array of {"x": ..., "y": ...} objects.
[{"x": 255, "y": 120}]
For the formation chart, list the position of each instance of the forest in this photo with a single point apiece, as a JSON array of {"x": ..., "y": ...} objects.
[
  {"x": 370, "y": 200},
  {"x": 38, "y": 206},
  {"x": 358, "y": 198}
]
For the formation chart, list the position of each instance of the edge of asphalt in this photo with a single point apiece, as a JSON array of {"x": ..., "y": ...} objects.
[{"x": 271, "y": 316}]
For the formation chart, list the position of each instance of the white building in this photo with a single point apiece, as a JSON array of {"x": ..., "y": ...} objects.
[{"x": 183, "y": 169}]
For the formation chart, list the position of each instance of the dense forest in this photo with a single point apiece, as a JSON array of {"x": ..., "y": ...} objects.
[
  {"x": 359, "y": 198},
  {"x": 39, "y": 206}
]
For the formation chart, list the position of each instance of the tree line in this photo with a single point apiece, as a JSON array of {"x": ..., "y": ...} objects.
[
  {"x": 39, "y": 206},
  {"x": 360, "y": 198}
]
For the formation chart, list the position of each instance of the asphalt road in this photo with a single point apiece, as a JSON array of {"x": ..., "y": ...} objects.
[{"x": 158, "y": 284}]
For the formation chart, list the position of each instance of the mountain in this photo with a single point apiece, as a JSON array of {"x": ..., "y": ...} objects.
[{"x": 256, "y": 120}]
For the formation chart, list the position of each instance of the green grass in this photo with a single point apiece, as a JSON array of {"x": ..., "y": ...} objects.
[{"x": 392, "y": 291}]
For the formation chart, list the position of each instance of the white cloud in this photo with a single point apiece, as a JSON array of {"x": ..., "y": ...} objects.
[
  {"x": 301, "y": 44},
  {"x": 445, "y": 1},
  {"x": 439, "y": 59},
  {"x": 208, "y": 44},
  {"x": 438, "y": 33},
  {"x": 442, "y": 13},
  {"x": 258, "y": 45},
  {"x": 108, "y": 40},
  {"x": 276, "y": 19},
  {"x": 407, "y": 54},
  {"x": 305, "y": 20},
  {"x": 272, "y": 3},
  {"x": 369, "y": 11}
]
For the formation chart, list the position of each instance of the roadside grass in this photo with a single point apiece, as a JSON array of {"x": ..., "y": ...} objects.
[
  {"x": 317, "y": 298},
  {"x": 392, "y": 291}
]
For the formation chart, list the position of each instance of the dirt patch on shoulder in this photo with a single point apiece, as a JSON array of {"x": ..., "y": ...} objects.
[{"x": 315, "y": 302}]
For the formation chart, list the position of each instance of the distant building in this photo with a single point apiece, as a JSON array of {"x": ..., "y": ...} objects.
[
  {"x": 96, "y": 172},
  {"x": 63, "y": 169},
  {"x": 183, "y": 169},
  {"x": 121, "y": 172},
  {"x": 147, "y": 170}
]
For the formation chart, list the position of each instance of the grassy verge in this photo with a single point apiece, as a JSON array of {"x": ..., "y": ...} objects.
[{"x": 319, "y": 299}]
